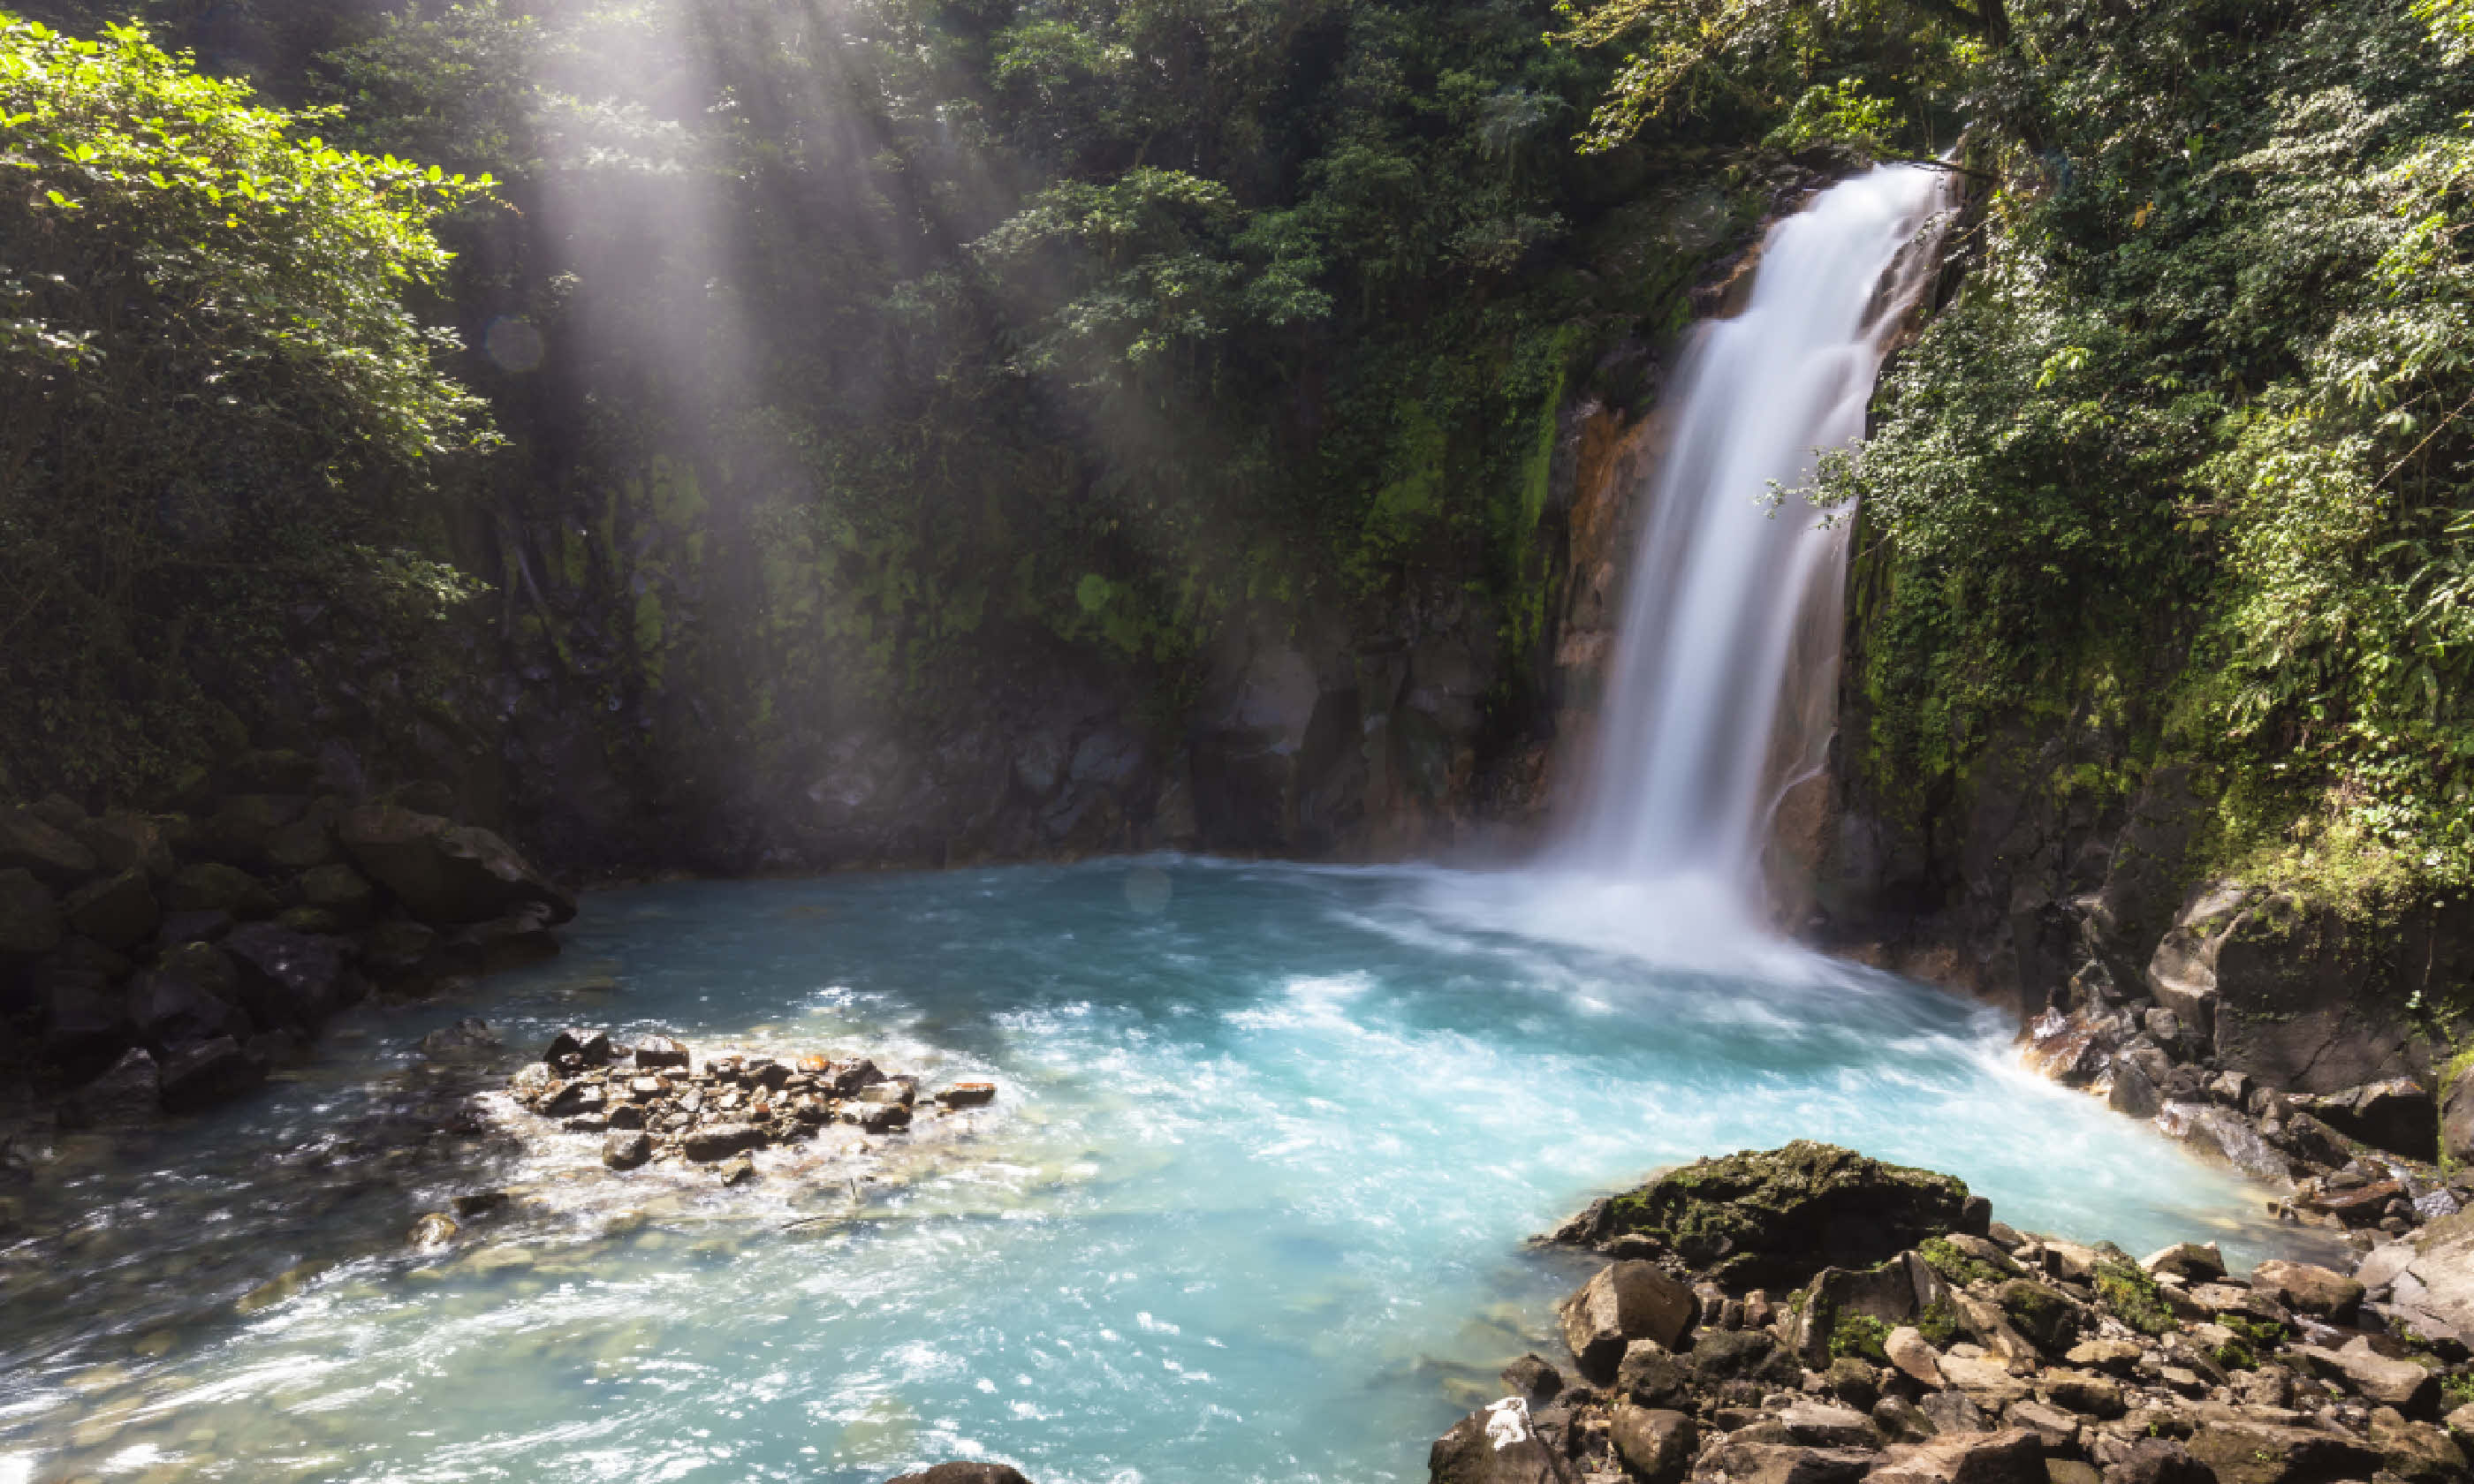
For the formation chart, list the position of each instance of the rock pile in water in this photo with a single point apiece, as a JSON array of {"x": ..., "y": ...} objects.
[
  {"x": 1886, "y": 1328},
  {"x": 650, "y": 1106},
  {"x": 161, "y": 962}
]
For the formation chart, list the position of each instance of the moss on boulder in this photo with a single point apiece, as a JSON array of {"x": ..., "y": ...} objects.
[{"x": 1775, "y": 1217}]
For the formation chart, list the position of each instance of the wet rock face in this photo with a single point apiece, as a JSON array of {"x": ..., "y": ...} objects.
[{"x": 1774, "y": 1218}]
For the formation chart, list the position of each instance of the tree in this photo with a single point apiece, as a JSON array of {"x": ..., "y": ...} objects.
[{"x": 221, "y": 429}]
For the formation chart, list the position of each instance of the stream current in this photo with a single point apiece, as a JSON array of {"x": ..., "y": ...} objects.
[{"x": 1249, "y": 1205}]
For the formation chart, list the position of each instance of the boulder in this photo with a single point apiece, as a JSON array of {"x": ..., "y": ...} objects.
[
  {"x": 2309, "y": 1289},
  {"x": 118, "y": 911},
  {"x": 1951, "y": 1411},
  {"x": 433, "y": 1231},
  {"x": 1785, "y": 1463},
  {"x": 304, "y": 844},
  {"x": 242, "y": 824},
  {"x": 1891, "y": 1294},
  {"x": 2139, "y": 1076},
  {"x": 720, "y": 1140},
  {"x": 1532, "y": 1379},
  {"x": 1820, "y": 1425},
  {"x": 2416, "y": 1453},
  {"x": 446, "y": 872},
  {"x": 877, "y": 1117},
  {"x": 130, "y": 1091},
  {"x": 1653, "y": 1376},
  {"x": 168, "y": 1013},
  {"x": 2250, "y": 1452},
  {"x": 1773, "y": 1218},
  {"x": 397, "y": 950},
  {"x": 2398, "y": 1384},
  {"x": 2082, "y": 1391},
  {"x": 182, "y": 928},
  {"x": 2013, "y": 1455},
  {"x": 52, "y": 854},
  {"x": 210, "y": 1073},
  {"x": 2049, "y": 1319},
  {"x": 2397, "y": 1114},
  {"x": 1986, "y": 1382},
  {"x": 661, "y": 1051},
  {"x": 964, "y": 1472},
  {"x": 2441, "y": 1271},
  {"x": 1494, "y": 1444},
  {"x": 212, "y": 886},
  {"x": 2456, "y": 1115},
  {"x": 1655, "y": 1444},
  {"x": 626, "y": 1148},
  {"x": 339, "y": 889},
  {"x": 2196, "y": 1263},
  {"x": 122, "y": 841},
  {"x": 2314, "y": 1140},
  {"x": 2157, "y": 1461},
  {"x": 30, "y": 916},
  {"x": 1622, "y": 1302},
  {"x": 968, "y": 1094},
  {"x": 2220, "y": 1133},
  {"x": 84, "y": 1020},
  {"x": 590, "y": 1047},
  {"x": 292, "y": 979},
  {"x": 1913, "y": 1355}
]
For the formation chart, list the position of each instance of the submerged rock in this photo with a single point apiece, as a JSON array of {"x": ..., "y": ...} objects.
[{"x": 626, "y": 1148}]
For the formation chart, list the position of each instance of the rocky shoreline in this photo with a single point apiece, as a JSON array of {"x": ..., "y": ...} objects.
[
  {"x": 2362, "y": 1160},
  {"x": 155, "y": 964},
  {"x": 1808, "y": 1316}
]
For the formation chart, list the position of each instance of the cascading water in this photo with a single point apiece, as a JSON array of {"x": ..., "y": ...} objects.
[{"x": 1692, "y": 750}]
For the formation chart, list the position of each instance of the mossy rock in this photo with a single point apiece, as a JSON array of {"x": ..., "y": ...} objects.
[{"x": 1773, "y": 1218}]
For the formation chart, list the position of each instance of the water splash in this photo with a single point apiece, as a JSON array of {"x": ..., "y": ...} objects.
[{"x": 1720, "y": 691}]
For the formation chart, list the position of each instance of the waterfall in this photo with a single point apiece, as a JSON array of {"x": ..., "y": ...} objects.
[
  {"x": 1722, "y": 688},
  {"x": 1723, "y": 679}
]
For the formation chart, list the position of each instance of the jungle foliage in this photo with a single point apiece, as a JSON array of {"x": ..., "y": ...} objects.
[
  {"x": 850, "y": 357},
  {"x": 2188, "y": 459},
  {"x": 220, "y": 426}
]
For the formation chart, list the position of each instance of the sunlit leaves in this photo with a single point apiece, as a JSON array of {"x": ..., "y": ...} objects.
[{"x": 217, "y": 410}]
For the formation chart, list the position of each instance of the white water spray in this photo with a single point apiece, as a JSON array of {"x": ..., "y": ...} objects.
[{"x": 1722, "y": 687}]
